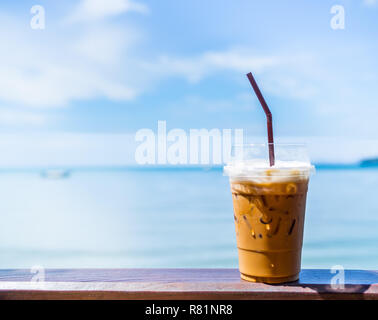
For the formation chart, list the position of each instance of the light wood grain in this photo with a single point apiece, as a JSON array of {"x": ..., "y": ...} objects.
[{"x": 179, "y": 284}]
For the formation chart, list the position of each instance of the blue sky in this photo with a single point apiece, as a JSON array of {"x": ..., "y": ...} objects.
[{"x": 113, "y": 67}]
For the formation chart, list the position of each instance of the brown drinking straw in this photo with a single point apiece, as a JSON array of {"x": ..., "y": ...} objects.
[{"x": 268, "y": 114}]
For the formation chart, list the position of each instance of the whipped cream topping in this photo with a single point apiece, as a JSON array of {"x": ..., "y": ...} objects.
[{"x": 260, "y": 169}]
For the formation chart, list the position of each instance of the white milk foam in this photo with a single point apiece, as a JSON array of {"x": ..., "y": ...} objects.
[{"x": 260, "y": 170}]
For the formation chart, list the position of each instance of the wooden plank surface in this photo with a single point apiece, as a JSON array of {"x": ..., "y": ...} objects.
[{"x": 179, "y": 284}]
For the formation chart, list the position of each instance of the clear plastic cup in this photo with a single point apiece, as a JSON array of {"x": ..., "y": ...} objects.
[{"x": 269, "y": 209}]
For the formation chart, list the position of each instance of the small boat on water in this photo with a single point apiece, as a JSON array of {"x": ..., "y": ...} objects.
[{"x": 55, "y": 173}]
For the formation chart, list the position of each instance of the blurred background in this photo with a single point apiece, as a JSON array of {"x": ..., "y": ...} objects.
[{"x": 79, "y": 78}]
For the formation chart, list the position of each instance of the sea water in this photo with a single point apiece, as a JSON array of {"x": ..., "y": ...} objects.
[{"x": 172, "y": 217}]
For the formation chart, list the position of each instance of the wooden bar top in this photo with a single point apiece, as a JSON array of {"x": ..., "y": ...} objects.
[{"x": 217, "y": 284}]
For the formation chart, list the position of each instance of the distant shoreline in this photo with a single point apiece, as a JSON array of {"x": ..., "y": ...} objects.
[{"x": 319, "y": 166}]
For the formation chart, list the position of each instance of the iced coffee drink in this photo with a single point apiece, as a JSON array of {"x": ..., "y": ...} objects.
[{"x": 269, "y": 211}]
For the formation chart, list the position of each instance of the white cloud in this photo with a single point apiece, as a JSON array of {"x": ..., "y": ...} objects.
[
  {"x": 10, "y": 117},
  {"x": 88, "y": 10},
  {"x": 70, "y": 63},
  {"x": 102, "y": 59},
  {"x": 73, "y": 63},
  {"x": 198, "y": 67},
  {"x": 282, "y": 75},
  {"x": 60, "y": 65},
  {"x": 370, "y": 2},
  {"x": 318, "y": 81}
]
